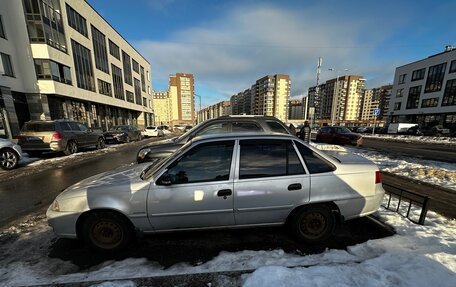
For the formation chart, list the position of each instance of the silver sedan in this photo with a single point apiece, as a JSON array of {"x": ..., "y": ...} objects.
[{"x": 221, "y": 181}]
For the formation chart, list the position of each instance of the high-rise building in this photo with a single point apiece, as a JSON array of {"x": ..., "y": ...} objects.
[
  {"x": 296, "y": 110},
  {"x": 424, "y": 91},
  {"x": 177, "y": 105},
  {"x": 369, "y": 103},
  {"x": 62, "y": 59},
  {"x": 214, "y": 111},
  {"x": 268, "y": 96},
  {"x": 383, "y": 94},
  {"x": 338, "y": 100}
]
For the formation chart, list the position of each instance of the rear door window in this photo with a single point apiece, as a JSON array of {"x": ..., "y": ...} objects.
[
  {"x": 65, "y": 126},
  {"x": 314, "y": 162},
  {"x": 276, "y": 127},
  {"x": 268, "y": 158},
  {"x": 239, "y": 127},
  {"x": 74, "y": 126}
]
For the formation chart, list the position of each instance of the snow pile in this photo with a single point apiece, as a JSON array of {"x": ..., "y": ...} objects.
[
  {"x": 414, "y": 139},
  {"x": 416, "y": 256},
  {"x": 433, "y": 172}
]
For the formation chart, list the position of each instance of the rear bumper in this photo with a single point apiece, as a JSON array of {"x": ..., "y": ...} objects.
[{"x": 55, "y": 146}]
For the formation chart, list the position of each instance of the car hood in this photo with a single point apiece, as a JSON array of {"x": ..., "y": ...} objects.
[{"x": 124, "y": 179}]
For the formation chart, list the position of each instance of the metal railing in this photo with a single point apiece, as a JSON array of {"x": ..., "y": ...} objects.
[{"x": 406, "y": 196}]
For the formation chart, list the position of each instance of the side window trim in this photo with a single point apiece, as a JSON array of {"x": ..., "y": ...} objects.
[{"x": 301, "y": 159}]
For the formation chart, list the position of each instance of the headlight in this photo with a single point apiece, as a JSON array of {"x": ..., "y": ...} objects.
[
  {"x": 55, "y": 206},
  {"x": 142, "y": 153}
]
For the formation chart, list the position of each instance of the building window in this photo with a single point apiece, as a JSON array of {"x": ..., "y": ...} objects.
[
  {"x": 127, "y": 68},
  {"x": 135, "y": 66},
  {"x": 130, "y": 97},
  {"x": 50, "y": 70},
  {"x": 399, "y": 93},
  {"x": 144, "y": 102},
  {"x": 143, "y": 80},
  {"x": 76, "y": 21},
  {"x": 418, "y": 74},
  {"x": 402, "y": 78},
  {"x": 435, "y": 76},
  {"x": 453, "y": 66},
  {"x": 117, "y": 82},
  {"x": 2, "y": 30},
  {"x": 449, "y": 96},
  {"x": 44, "y": 23},
  {"x": 83, "y": 66},
  {"x": 430, "y": 103},
  {"x": 397, "y": 106},
  {"x": 114, "y": 50},
  {"x": 104, "y": 88},
  {"x": 99, "y": 48},
  {"x": 138, "y": 91},
  {"x": 7, "y": 65},
  {"x": 413, "y": 99}
]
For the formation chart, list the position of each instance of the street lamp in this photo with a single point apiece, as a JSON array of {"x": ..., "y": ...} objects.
[{"x": 335, "y": 97}]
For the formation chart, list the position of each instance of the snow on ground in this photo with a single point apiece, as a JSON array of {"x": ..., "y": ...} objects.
[
  {"x": 416, "y": 256},
  {"x": 414, "y": 139},
  {"x": 434, "y": 172}
]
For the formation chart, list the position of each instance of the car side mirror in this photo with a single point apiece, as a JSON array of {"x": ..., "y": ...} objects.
[{"x": 165, "y": 179}]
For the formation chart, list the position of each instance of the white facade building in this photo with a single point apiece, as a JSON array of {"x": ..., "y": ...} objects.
[
  {"x": 62, "y": 59},
  {"x": 424, "y": 91}
]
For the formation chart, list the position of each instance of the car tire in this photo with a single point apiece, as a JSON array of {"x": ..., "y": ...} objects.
[
  {"x": 34, "y": 153},
  {"x": 71, "y": 148},
  {"x": 101, "y": 143},
  {"x": 8, "y": 159},
  {"x": 313, "y": 224},
  {"x": 107, "y": 231}
]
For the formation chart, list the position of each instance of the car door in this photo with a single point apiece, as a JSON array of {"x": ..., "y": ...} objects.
[
  {"x": 90, "y": 138},
  {"x": 270, "y": 181},
  {"x": 195, "y": 190},
  {"x": 78, "y": 134}
]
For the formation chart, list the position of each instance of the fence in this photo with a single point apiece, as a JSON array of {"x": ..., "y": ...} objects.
[{"x": 406, "y": 196}]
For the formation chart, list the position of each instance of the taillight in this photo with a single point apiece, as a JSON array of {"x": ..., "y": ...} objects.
[
  {"x": 378, "y": 177},
  {"x": 57, "y": 136}
]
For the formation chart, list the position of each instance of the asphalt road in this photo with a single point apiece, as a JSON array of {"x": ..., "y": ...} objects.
[{"x": 437, "y": 152}]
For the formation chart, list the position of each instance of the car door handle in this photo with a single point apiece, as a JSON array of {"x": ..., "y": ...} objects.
[
  {"x": 295, "y": 186},
  {"x": 224, "y": 192}
]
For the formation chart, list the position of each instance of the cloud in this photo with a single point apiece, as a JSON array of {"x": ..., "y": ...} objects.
[{"x": 230, "y": 53}]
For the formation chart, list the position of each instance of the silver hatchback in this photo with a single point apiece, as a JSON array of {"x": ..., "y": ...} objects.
[{"x": 221, "y": 181}]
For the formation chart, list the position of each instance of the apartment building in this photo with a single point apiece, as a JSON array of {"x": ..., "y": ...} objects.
[
  {"x": 62, "y": 59},
  {"x": 369, "y": 104},
  {"x": 214, "y": 111},
  {"x": 296, "y": 109},
  {"x": 268, "y": 96},
  {"x": 424, "y": 91},
  {"x": 176, "y": 106},
  {"x": 338, "y": 100}
]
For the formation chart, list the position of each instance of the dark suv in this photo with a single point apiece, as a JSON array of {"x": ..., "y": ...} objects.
[
  {"x": 220, "y": 125},
  {"x": 68, "y": 136}
]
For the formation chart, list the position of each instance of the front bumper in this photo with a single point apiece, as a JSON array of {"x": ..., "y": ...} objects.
[{"x": 63, "y": 222}]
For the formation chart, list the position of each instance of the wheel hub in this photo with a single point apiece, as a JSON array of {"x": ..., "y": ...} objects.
[
  {"x": 313, "y": 224},
  {"x": 106, "y": 234},
  {"x": 8, "y": 159}
]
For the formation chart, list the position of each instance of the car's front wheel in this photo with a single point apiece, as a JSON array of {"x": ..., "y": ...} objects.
[
  {"x": 313, "y": 224},
  {"x": 107, "y": 231},
  {"x": 71, "y": 148},
  {"x": 8, "y": 159}
]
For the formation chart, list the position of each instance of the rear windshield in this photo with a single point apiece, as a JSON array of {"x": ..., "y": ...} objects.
[{"x": 38, "y": 127}]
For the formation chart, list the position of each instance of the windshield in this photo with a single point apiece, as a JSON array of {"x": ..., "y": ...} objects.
[
  {"x": 343, "y": 131},
  {"x": 185, "y": 135},
  {"x": 119, "y": 128}
]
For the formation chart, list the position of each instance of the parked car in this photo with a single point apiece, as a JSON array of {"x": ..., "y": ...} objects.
[
  {"x": 399, "y": 128},
  {"x": 152, "y": 131},
  {"x": 221, "y": 181},
  {"x": 166, "y": 129},
  {"x": 65, "y": 136},
  {"x": 338, "y": 135},
  {"x": 415, "y": 130},
  {"x": 10, "y": 154},
  {"x": 123, "y": 133},
  {"x": 220, "y": 125}
]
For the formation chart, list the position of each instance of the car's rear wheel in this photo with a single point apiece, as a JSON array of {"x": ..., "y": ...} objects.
[
  {"x": 71, "y": 148},
  {"x": 8, "y": 159},
  {"x": 313, "y": 224},
  {"x": 107, "y": 231},
  {"x": 101, "y": 143}
]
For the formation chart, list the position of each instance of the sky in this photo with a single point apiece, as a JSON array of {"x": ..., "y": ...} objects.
[{"x": 228, "y": 45}]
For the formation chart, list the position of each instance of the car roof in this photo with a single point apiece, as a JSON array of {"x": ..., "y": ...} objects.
[{"x": 233, "y": 136}]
